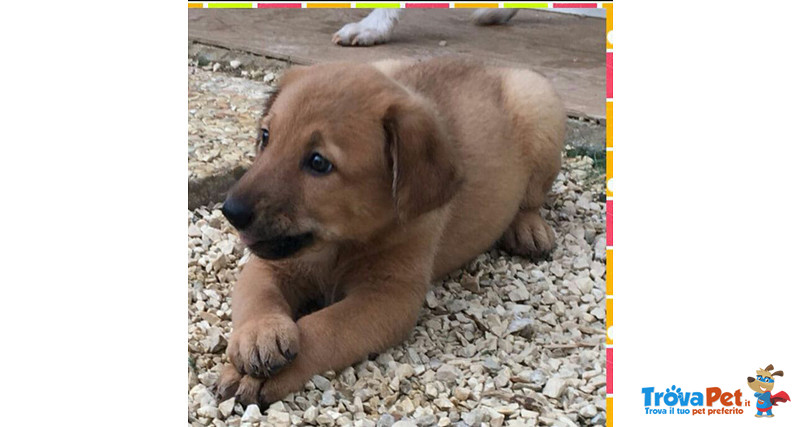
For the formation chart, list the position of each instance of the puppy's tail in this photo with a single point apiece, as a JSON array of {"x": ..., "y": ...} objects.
[{"x": 492, "y": 16}]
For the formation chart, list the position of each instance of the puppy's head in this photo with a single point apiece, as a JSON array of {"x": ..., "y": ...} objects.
[{"x": 343, "y": 153}]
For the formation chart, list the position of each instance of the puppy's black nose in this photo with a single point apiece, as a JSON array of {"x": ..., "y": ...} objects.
[{"x": 238, "y": 213}]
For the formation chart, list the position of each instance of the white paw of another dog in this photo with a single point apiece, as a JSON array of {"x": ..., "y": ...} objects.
[
  {"x": 356, "y": 34},
  {"x": 376, "y": 28}
]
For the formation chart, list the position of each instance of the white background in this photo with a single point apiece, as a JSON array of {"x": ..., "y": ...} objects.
[
  {"x": 94, "y": 204},
  {"x": 707, "y": 243}
]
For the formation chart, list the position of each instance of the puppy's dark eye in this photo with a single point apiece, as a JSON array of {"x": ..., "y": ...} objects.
[
  {"x": 264, "y": 138},
  {"x": 319, "y": 164}
]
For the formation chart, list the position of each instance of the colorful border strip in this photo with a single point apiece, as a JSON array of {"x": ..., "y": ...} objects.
[
  {"x": 328, "y": 5},
  {"x": 609, "y": 214},
  {"x": 405, "y": 5},
  {"x": 475, "y": 5},
  {"x": 427, "y": 5},
  {"x": 280, "y": 5},
  {"x": 378, "y": 5},
  {"x": 575, "y": 5},
  {"x": 229, "y": 5}
]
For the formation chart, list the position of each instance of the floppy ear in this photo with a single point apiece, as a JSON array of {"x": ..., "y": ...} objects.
[
  {"x": 425, "y": 175},
  {"x": 768, "y": 368},
  {"x": 777, "y": 374}
]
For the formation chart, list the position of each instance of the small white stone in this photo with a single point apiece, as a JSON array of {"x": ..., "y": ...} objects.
[
  {"x": 461, "y": 393},
  {"x": 236, "y": 64},
  {"x": 431, "y": 390},
  {"x": 278, "y": 418},
  {"x": 430, "y": 299},
  {"x": 588, "y": 411},
  {"x": 585, "y": 284},
  {"x": 518, "y": 324},
  {"x": 321, "y": 382},
  {"x": 325, "y": 420},
  {"x": 310, "y": 415},
  {"x": 226, "y": 407},
  {"x": 251, "y": 414},
  {"x": 404, "y": 371},
  {"x": 386, "y": 420},
  {"x": 443, "y": 403},
  {"x": 208, "y": 411},
  {"x": 406, "y": 406},
  {"x": 201, "y": 395},
  {"x": 495, "y": 418},
  {"x": 472, "y": 418},
  {"x": 554, "y": 387},
  {"x": 328, "y": 398},
  {"x": 448, "y": 373}
]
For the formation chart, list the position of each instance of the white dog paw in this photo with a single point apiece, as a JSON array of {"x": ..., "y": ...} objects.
[
  {"x": 356, "y": 34},
  {"x": 376, "y": 28}
]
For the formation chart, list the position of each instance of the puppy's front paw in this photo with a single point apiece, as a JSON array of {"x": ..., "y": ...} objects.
[
  {"x": 262, "y": 346},
  {"x": 262, "y": 392},
  {"x": 228, "y": 382},
  {"x": 245, "y": 388},
  {"x": 360, "y": 34},
  {"x": 528, "y": 235}
]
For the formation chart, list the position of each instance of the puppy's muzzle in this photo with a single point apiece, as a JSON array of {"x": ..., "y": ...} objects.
[
  {"x": 266, "y": 243},
  {"x": 238, "y": 213},
  {"x": 280, "y": 247}
]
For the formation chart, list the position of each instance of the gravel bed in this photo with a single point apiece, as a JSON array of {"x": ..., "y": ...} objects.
[
  {"x": 223, "y": 113},
  {"x": 503, "y": 341}
]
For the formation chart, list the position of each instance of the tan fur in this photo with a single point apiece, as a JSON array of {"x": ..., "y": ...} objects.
[{"x": 434, "y": 162}]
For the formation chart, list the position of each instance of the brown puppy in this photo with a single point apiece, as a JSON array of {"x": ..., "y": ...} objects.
[{"x": 371, "y": 180}]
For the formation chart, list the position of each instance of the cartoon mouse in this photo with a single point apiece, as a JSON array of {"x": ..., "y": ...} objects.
[{"x": 762, "y": 384}]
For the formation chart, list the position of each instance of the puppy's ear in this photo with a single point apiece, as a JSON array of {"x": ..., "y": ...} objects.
[
  {"x": 777, "y": 374},
  {"x": 425, "y": 175},
  {"x": 768, "y": 368}
]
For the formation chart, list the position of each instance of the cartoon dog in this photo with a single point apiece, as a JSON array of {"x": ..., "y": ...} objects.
[{"x": 762, "y": 385}]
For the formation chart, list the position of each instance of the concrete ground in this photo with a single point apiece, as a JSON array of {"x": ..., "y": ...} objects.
[{"x": 568, "y": 49}]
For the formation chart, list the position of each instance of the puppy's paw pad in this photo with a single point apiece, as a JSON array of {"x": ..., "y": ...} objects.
[
  {"x": 264, "y": 345},
  {"x": 528, "y": 235}
]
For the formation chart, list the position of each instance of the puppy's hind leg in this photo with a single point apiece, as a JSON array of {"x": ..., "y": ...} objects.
[
  {"x": 529, "y": 235},
  {"x": 539, "y": 129},
  {"x": 376, "y": 28}
]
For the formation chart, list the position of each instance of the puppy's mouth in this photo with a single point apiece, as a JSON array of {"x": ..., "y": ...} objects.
[{"x": 278, "y": 247}]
